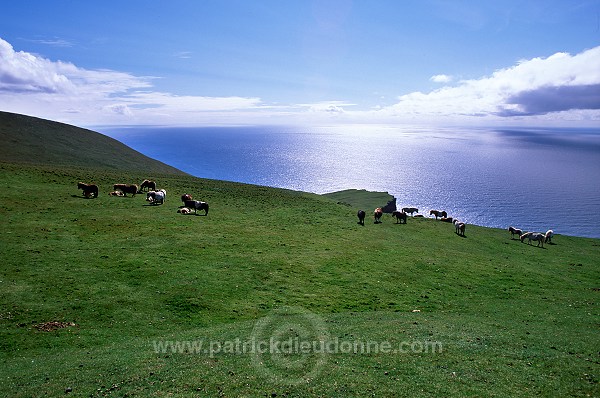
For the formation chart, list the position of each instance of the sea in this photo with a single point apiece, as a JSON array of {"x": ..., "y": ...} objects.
[{"x": 533, "y": 179}]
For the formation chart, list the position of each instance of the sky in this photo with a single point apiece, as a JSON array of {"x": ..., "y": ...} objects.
[{"x": 294, "y": 62}]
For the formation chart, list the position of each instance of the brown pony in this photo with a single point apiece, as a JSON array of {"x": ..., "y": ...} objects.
[
  {"x": 149, "y": 185},
  {"x": 377, "y": 215},
  {"x": 514, "y": 231},
  {"x": 410, "y": 210},
  {"x": 125, "y": 188},
  {"x": 438, "y": 213},
  {"x": 88, "y": 189}
]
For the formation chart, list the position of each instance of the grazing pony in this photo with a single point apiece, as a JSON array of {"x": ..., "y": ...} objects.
[
  {"x": 410, "y": 210},
  {"x": 88, "y": 189},
  {"x": 514, "y": 231},
  {"x": 125, "y": 188},
  {"x": 149, "y": 185},
  {"x": 155, "y": 197},
  {"x": 438, "y": 213},
  {"x": 549, "y": 235},
  {"x": 197, "y": 205},
  {"x": 400, "y": 216},
  {"x": 377, "y": 215},
  {"x": 524, "y": 236},
  {"x": 361, "y": 217}
]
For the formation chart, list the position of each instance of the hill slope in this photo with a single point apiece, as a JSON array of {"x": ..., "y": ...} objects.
[
  {"x": 94, "y": 291},
  {"x": 26, "y": 139}
]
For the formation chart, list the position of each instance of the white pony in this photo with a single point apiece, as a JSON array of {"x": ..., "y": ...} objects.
[
  {"x": 535, "y": 236},
  {"x": 459, "y": 227},
  {"x": 549, "y": 235},
  {"x": 156, "y": 196}
]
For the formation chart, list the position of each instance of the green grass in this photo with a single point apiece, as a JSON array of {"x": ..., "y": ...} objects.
[{"x": 513, "y": 319}]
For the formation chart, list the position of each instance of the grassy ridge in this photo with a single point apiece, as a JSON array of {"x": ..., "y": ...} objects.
[
  {"x": 361, "y": 198},
  {"x": 27, "y": 139},
  {"x": 514, "y": 320}
]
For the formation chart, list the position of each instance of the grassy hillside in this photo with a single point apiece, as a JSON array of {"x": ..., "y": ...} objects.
[
  {"x": 115, "y": 297},
  {"x": 26, "y": 139}
]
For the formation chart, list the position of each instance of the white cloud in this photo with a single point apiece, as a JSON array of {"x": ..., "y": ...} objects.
[
  {"x": 57, "y": 90},
  {"x": 441, "y": 78},
  {"x": 502, "y": 93}
]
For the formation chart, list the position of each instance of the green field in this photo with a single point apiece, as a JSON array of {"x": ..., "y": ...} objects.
[{"x": 134, "y": 289}]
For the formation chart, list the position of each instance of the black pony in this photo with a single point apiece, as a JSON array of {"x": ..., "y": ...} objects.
[
  {"x": 361, "y": 217},
  {"x": 197, "y": 205}
]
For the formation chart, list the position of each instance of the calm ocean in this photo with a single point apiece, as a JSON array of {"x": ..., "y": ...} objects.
[{"x": 534, "y": 179}]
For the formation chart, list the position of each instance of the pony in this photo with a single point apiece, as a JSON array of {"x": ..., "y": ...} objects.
[
  {"x": 459, "y": 227},
  {"x": 549, "y": 234},
  {"x": 400, "y": 216},
  {"x": 197, "y": 205},
  {"x": 115, "y": 193},
  {"x": 377, "y": 215},
  {"x": 447, "y": 219},
  {"x": 410, "y": 210},
  {"x": 184, "y": 210},
  {"x": 524, "y": 236},
  {"x": 149, "y": 185},
  {"x": 131, "y": 189},
  {"x": 438, "y": 213},
  {"x": 186, "y": 196},
  {"x": 361, "y": 217},
  {"x": 88, "y": 189},
  {"x": 514, "y": 231},
  {"x": 535, "y": 236},
  {"x": 155, "y": 197}
]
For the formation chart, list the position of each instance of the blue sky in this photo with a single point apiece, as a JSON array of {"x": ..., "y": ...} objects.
[{"x": 295, "y": 62}]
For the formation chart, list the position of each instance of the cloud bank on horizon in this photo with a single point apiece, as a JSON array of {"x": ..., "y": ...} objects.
[{"x": 559, "y": 88}]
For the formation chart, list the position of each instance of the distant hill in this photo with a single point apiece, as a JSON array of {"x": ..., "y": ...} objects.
[
  {"x": 363, "y": 199},
  {"x": 26, "y": 139}
]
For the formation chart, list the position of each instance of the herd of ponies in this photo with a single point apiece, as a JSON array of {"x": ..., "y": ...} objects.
[
  {"x": 158, "y": 196},
  {"x": 153, "y": 196},
  {"x": 459, "y": 227}
]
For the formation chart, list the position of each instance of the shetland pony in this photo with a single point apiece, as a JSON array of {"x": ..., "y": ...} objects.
[
  {"x": 88, "y": 189},
  {"x": 549, "y": 234},
  {"x": 186, "y": 196},
  {"x": 148, "y": 185},
  {"x": 438, "y": 213},
  {"x": 377, "y": 215},
  {"x": 459, "y": 227},
  {"x": 410, "y": 210},
  {"x": 514, "y": 231},
  {"x": 125, "y": 188},
  {"x": 197, "y": 205},
  {"x": 524, "y": 236},
  {"x": 537, "y": 236},
  {"x": 155, "y": 197},
  {"x": 400, "y": 216},
  {"x": 361, "y": 217}
]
